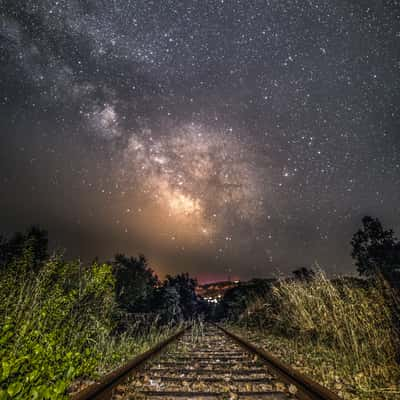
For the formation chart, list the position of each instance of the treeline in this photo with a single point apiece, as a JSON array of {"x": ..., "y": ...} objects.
[{"x": 137, "y": 289}]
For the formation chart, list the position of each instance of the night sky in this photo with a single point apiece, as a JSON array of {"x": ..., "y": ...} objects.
[{"x": 220, "y": 138}]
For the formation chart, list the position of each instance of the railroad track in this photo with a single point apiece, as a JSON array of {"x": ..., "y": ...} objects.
[{"x": 205, "y": 363}]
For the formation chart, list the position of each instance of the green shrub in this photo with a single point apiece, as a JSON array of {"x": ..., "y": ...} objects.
[{"x": 50, "y": 321}]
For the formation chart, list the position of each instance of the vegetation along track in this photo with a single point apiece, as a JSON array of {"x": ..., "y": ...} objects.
[{"x": 205, "y": 362}]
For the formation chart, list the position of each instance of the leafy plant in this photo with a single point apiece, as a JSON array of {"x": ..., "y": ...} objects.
[
  {"x": 50, "y": 320},
  {"x": 60, "y": 320}
]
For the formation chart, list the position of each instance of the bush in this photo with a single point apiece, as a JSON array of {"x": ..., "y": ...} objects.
[
  {"x": 63, "y": 323},
  {"x": 242, "y": 300},
  {"x": 50, "y": 320}
]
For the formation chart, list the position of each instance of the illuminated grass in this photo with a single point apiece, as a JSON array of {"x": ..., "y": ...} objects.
[
  {"x": 339, "y": 333},
  {"x": 57, "y": 326}
]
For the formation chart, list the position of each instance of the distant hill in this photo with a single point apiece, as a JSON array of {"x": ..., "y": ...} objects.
[{"x": 214, "y": 291}]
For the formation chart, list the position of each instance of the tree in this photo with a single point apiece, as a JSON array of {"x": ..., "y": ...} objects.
[
  {"x": 34, "y": 239},
  {"x": 185, "y": 286},
  {"x": 135, "y": 283},
  {"x": 236, "y": 299},
  {"x": 167, "y": 303},
  {"x": 375, "y": 250}
]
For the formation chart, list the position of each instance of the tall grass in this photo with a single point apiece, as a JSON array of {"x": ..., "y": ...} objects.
[
  {"x": 343, "y": 331},
  {"x": 357, "y": 322},
  {"x": 57, "y": 324}
]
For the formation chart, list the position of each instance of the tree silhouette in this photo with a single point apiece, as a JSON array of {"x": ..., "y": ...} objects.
[
  {"x": 135, "y": 283},
  {"x": 167, "y": 303},
  {"x": 185, "y": 287},
  {"x": 34, "y": 240},
  {"x": 375, "y": 250}
]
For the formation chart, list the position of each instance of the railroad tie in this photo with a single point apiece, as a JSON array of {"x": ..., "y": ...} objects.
[
  {"x": 213, "y": 364},
  {"x": 209, "y": 366}
]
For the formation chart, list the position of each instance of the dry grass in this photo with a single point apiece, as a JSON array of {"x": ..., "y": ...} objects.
[{"x": 340, "y": 333}]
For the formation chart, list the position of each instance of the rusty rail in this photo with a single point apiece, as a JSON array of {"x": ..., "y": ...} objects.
[{"x": 307, "y": 388}]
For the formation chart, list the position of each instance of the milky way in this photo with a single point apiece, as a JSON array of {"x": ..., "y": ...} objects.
[{"x": 217, "y": 137}]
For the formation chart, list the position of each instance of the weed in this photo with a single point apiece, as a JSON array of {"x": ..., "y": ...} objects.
[
  {"x": 58, "y": 324},
  {"x": 341, "y": 332}
]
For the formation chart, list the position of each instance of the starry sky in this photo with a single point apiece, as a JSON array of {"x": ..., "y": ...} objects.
[{"x": 219, "y": 137}]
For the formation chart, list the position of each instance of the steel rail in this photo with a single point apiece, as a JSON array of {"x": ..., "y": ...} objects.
[
  {"x": 308, "y": 389},
  {"x": 103, "y": 389}
]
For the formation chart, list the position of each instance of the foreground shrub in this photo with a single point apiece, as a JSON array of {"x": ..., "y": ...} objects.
[{"x": 50, "y": 320}]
